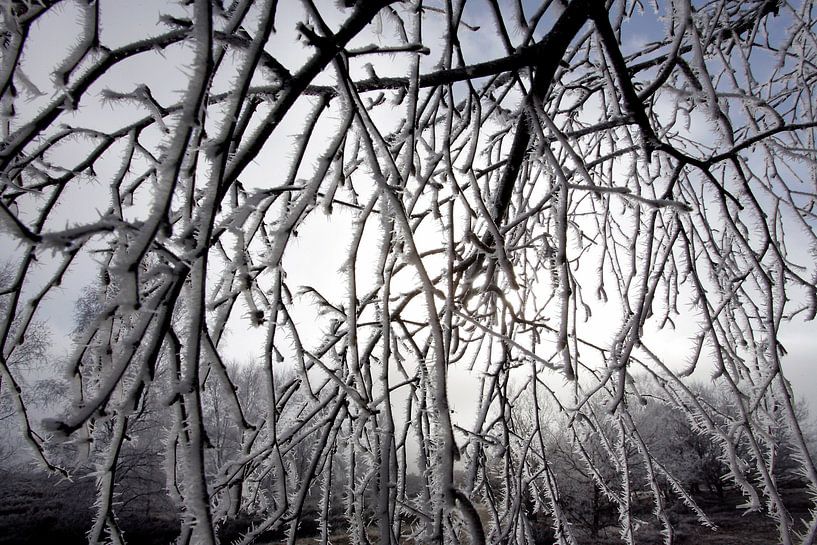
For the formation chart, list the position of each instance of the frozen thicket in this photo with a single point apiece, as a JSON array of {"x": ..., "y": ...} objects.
[{"x": 583, "y": 204}]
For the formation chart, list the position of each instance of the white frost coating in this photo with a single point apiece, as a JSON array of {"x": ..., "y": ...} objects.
[{"x": 480, "y": 232}]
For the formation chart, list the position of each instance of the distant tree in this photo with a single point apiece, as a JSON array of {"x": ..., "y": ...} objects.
[
  {"x": 36, "y": 392},
  {"x": 688, "y": 451},
  {"x": 529, "y": 190}
]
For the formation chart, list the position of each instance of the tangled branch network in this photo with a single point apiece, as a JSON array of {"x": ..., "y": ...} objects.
[{"x": 437, "y": 232}]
